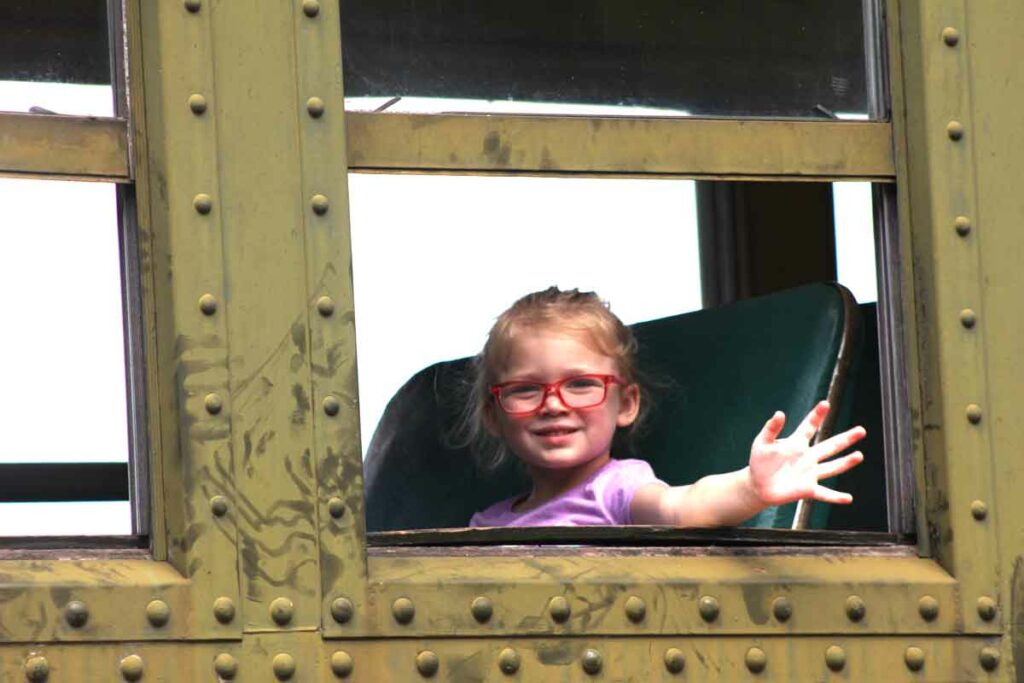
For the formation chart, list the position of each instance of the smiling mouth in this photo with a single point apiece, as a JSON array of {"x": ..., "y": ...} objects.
[{"x": 555, "y": 431}]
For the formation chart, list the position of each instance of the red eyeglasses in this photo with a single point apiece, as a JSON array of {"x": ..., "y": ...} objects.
[{"x": 579, "y": 391}]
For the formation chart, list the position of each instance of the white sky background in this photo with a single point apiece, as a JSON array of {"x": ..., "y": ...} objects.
[{"x": 436, "y": 259}]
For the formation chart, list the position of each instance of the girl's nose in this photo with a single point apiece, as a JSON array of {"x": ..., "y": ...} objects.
[{"x": 552, "y": 403}]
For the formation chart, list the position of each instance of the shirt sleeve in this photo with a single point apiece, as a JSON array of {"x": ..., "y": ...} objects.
[{"x": 622, "y": 484}]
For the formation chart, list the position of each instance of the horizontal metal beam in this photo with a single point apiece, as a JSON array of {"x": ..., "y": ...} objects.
[
  {"x": 75, "y": 147},
  {"x": 681, "y": 147}
]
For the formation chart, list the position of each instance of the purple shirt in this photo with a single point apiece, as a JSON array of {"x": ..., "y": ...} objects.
[{"x": 604, "y": 498}]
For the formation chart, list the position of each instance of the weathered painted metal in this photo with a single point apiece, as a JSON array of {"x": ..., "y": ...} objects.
[{"x": 48, "y": 146}]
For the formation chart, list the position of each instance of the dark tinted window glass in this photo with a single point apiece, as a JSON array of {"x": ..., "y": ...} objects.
[{"x": 701, "y": 57}]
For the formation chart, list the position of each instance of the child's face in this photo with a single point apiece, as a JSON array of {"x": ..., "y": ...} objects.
[{"x": 557, "y": 436}]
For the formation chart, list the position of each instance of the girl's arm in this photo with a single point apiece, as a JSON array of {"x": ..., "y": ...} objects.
[{"x": 780, "y": 471}]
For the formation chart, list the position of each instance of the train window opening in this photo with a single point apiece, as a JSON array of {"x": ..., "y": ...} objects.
[
  {"x": 66, "y": 458},
  {"x": 693, "y": 245}
]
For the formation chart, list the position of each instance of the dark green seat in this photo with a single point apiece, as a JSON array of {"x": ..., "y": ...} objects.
[{"x": 717, "y": 376}]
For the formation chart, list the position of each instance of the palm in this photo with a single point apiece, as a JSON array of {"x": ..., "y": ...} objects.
[{"x": 788, "y": 469}]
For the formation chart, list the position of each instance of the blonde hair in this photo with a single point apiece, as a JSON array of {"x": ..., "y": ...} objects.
[{"x": 569, "y": 310}]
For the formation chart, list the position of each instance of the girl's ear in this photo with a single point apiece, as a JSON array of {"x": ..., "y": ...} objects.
[{"x": 629, "y": 405}]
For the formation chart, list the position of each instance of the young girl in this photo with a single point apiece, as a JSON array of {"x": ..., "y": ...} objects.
[{"x": 555, "y": 380}]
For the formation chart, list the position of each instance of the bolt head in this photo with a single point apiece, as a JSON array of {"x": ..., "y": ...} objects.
[
  {"x": 914, "y": 658},
  {"x": 320, "y": 204},
  {"x": 675, "y": 660},
  {"x": 315, "y": 107},
  {"x": 508, "y": 661},
  {"x": 131, "y": 668},
  {"x": 973, "y": 413},
  {"x": 986, "y": 608},
  {"x": 708, "y": 608},
  {"x": 283, "y": 665},
  {"x": 955, "y": 130},
  {"x": 336, "y": 507},
  {"x": 208, "y": 304},
  {"x": 855, "y": 608},
  {"x": 193, "y": 6},
  {"x": 76, "y": 614},
  {"x": 342, "y": 610},
  {"x": 979, "y": 510},
  {"x": 37, "y": 669},
  {"x": 197, "y": 104},
  {"x": 342, "y": 664},
  {"x": 202, "y": 203},
  {"x": 928, "y": 607},
  {"x": 325, "y": 306},
  {"x": 559, "y": 610},
  {"x": 989, "y": 658},
  {"x": 968, "y": 318},
  {"x": 224, "y": 610},
  {"x": 427, "y": 663},
  {"x": 281, "y": 611},
  {"x": 591, "y": 661},
  {"x": 331, "y": 406},
  {"x": 962, "y": 224},
  {"x": 403, "y": 610},
  {"x": 950, "y": 36},
  {"x": 636, "y": 609},
  {"x": 310, "y": 8},
  {"x": 158, "y": 613},
  {"x": 219, "y": 506},
  {"x": 782, "y": 608},
  {"x": 481, "y": 608},
  {"x": 213, "y": 404},
  {"x": 756, "y": 660},
  {"x": 835, "y": 658},
  {"x": 225, "y": 665}
]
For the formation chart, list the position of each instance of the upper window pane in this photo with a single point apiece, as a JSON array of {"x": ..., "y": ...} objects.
[
  {"x": 652, "y": 57},
  {"x": 44, "y": 45}
]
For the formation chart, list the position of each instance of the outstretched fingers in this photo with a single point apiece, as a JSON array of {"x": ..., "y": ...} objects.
[
  {"x": 809, "y": 427},
  {"x": 771, "y": 430},
  {"x": 839, "y": 465},
  {"x": 838, "y": 443},
  {"x": 827, "y": 495}
]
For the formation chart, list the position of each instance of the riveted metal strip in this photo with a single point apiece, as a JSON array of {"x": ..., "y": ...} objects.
[
  {"x": 942, "y": 204},
  {"x": 698, "y": 148},
  {"x": 183, "y": 239},
  {"x": 81, "y": 147},
  {"x": 302, "y": 656},
  {"x": 265, "y": 252},
  {"x": 594, "y": 595},
  {"x": 320, "y": 110}
]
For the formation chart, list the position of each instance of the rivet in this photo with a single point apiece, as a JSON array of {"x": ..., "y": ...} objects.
[
  {"x": 315, "y": 107},
  {"x": 928, "y": 607},
  {"x": 989, "y": 658},
  {"x": 336, "y": 506},
  {"x": 782, "y": 608},
  {"x": 158, "y": 613},
  {"x": 131, "y": 668},
  {"x": 962, "y": 225},
  {"x": 708, "y": 608},
  {"x": 481, "y": 608},
  {"x": 403, "y": 610},
  {"x": 427, "y": 663},
  {"x": 979, "y": 510},
  {"x": 914, "y": 658},
  {"x": 197, "y": 103},
  {"x": 636, "y": 610},
  {"x": 986, "y": 608},
  {"x": 325, "y": 306},
  {"x": 342, "y": 610},
  {"x": 76, "y": 614},
  {"x": 591, "y": 661},
  {"x": 224, "y": 610},
  {"x": 193, "y": 5},
  {"x": 225, "y": 665},
  {"x": 219, "y": 506},
  {"x": 342, "y": 664},
  {"x": 208, "y": 304},
  {"x": 973, "y": 413},
  {"x": 675, "y": 661},
  {"x": 213, "y": 404},
  {"x": 855, "y": 608},
  {"x": 950, "y": 36},
  {"x": 955, "y": 130},
  {"x": 284, "y": 666},
  {"x": 202, "y": 203},
  {"x": 756, "y": 660},
  {"x": 558, "y": 609},
  {"x": 968, "y": 318},
  {"x": 37, "y": 669},
  {"x": 508, "y": 661},
  {"x": 281, "y": 611},
  {"x": 310, "y": 8},
  {"x": 319, "y": 204},
  {"x": 331, "y": 405},
  {"x": 835, "y": 658}
]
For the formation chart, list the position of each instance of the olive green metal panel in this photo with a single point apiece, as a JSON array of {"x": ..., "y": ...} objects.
[
  {"x": 699, "y": 148},
  {"x": 300, "y": 657},
  {"x": 332, "y": 341},
  {"x": 257, "y": 113},
  {"x": 958, "y": 460},
  {"x": 64, "y": 147}
]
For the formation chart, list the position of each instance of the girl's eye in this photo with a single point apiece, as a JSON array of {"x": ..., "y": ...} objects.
[
  {"x": 582, "y": 384},
  {"x": 522, "y": 390}
]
